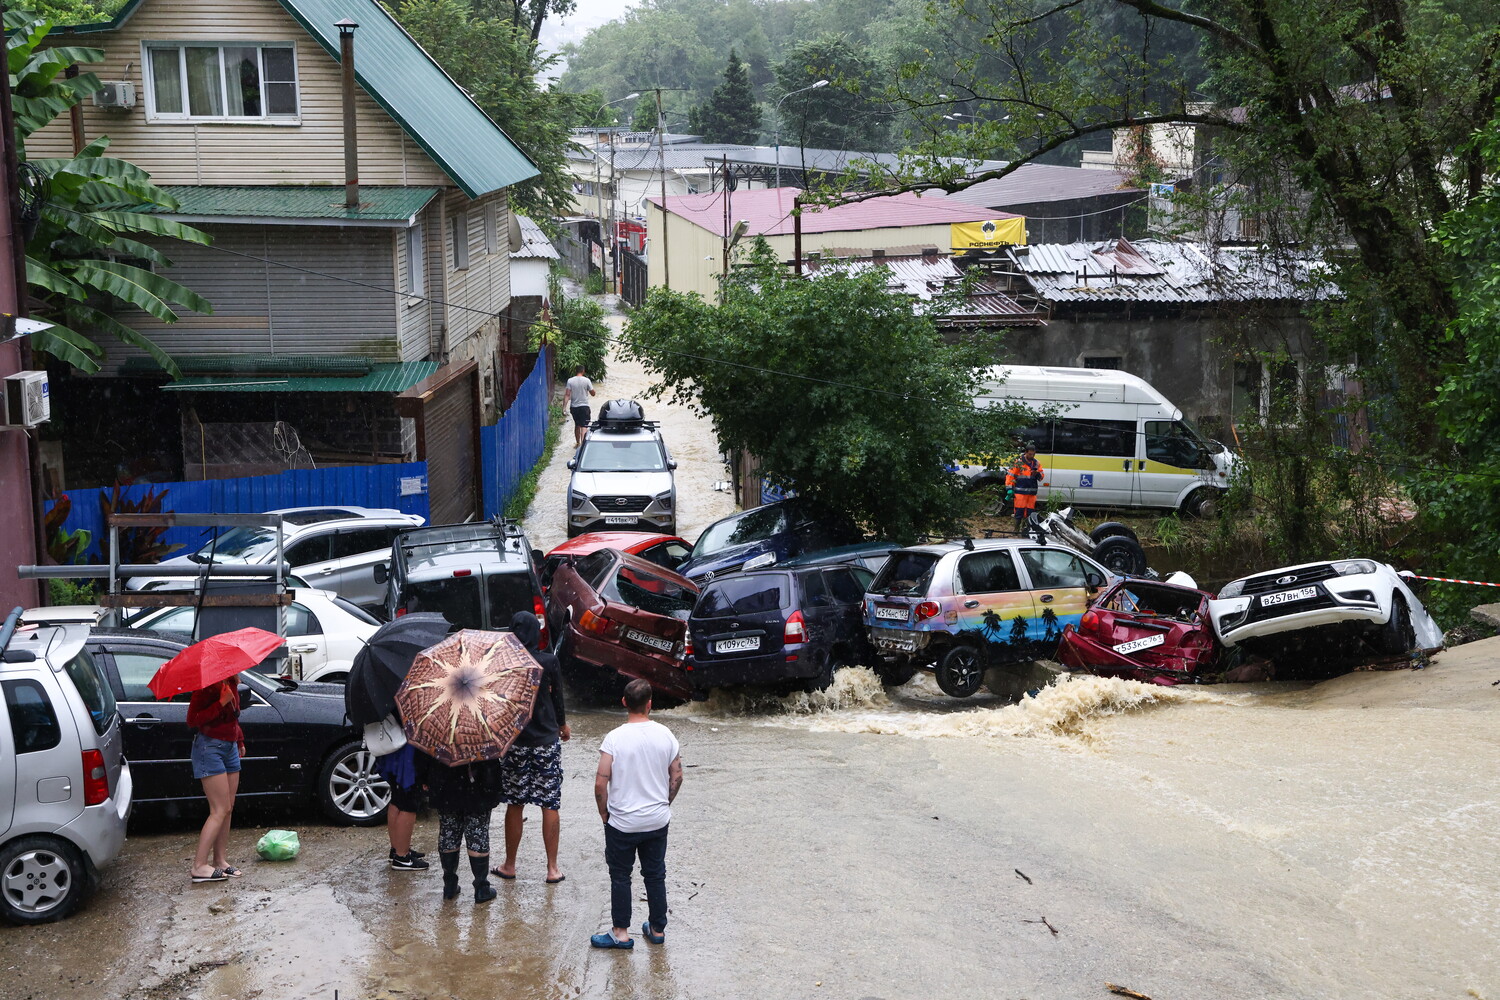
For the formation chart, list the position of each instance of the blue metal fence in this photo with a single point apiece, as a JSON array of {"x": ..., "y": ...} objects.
[
  {"x": 514, "y": 444},
  {"x": 402, "y": 486}
]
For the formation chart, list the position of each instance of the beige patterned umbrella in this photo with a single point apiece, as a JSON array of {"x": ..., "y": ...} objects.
[{"x": 466, "y": 698}]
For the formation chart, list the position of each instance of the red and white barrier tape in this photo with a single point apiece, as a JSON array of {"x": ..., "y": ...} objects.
[{"x": 1446, "y": 579}]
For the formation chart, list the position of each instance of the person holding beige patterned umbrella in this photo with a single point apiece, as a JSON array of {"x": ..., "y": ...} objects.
[{"x": 462, "y": 704}]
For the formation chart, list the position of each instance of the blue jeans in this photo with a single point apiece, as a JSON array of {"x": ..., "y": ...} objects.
[
  {"x": 620, "y": 850},
  {"x": 211, "y": 756}
]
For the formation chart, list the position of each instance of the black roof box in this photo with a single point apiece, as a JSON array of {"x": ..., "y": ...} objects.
[{"x": 621, "y": 415}]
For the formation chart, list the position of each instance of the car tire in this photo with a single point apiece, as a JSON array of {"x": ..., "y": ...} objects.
[
  {"x": 41, "y": 879},
  {"x": 350, "y": 791},
  {"x": 1121, "y": 555},
  {"x": 823, "y": 679},
  {"x": 1112, "y": 529},
  {"x": 1397, "y": 636},
  {"x": 1202, "y": 502},
  {"x": 894, "y": 673},
  {"x": 960, "y": 670}
]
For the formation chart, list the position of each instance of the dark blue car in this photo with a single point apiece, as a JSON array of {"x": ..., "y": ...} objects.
[{"x": 765, "y": 536}]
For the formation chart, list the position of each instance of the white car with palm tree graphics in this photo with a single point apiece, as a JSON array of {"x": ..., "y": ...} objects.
[{"x": 959, "y": 608}]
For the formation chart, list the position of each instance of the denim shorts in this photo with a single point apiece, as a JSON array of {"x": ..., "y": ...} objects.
[{"x": 211, "y": 756}]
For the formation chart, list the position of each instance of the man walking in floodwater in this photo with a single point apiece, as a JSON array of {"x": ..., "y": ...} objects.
[
  {"x": 640, "y": 773},
  {"x": 578, "y": 392}
]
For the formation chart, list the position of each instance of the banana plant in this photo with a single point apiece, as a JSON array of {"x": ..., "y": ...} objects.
[{"x": 93, "y": 214}]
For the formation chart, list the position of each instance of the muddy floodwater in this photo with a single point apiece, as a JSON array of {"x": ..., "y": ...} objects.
[{"x": 1328, "y": 841}]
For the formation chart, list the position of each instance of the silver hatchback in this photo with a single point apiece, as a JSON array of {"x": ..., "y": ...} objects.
[{"x": 65, "y": 787}]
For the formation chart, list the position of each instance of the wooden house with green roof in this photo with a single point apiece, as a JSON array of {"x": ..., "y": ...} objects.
[{"x": 353, "y": 325}]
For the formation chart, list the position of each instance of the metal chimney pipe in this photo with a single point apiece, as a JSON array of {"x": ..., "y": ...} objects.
[{"x": 351, "y": 138}]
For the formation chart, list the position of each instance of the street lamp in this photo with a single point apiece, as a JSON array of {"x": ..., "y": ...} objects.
[{"x": 777, "y": 113}]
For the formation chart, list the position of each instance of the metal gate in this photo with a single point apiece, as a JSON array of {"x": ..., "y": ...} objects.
[
  {"x": 446, "y": 409},
  {"x": 632, "y": 277}
]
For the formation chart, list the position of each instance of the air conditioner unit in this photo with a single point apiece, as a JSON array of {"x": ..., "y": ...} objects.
[
  {"x": 115, "y": 94},
  {"x": 26, "y": 398}
]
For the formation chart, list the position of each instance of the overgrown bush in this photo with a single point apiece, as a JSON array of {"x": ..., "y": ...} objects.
[{"x": 577, "y": 332}]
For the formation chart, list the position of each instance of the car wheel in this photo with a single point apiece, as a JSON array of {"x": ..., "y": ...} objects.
[
  {"x": 350, "y": 790},
  {"x": 1112, "y": 529},
  {"x": 823, "y": 679},
  {"x": 1397, "y": 636},
  {"x": 1202, "y": 502},
  {"x": 41, "y": 879},
  {"x": 1121, "y": 555},
  {"x": 894, "y": 673},
  {"x": 960, "y": 670}
]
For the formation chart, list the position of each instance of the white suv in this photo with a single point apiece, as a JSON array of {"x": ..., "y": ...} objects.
[
  {"x": 65, "y": 788},
  {"x": 622, "y": 475},
  {"x": 329, "y": 548}
]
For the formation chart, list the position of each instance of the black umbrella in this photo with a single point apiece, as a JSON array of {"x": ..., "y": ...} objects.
[{"x": 379, "y": 668}]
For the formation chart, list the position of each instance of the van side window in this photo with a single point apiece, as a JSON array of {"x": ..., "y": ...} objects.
[
  {"x": 1171, "y": 443},
  {"x": 1112, "y": 438},
  {"x": 32, "y": 720}
]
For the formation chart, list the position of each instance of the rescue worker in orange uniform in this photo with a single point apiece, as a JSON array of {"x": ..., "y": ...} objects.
[{"x": 1021, "y": 482}]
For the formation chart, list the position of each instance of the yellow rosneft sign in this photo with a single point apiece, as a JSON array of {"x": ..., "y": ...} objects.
[{"x": 989, "y": 234}]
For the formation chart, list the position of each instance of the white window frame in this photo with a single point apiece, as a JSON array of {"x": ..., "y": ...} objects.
[
  {"x": 415, "y": 283},
  {"x": 458, "y": 227},
  {"x": 148, "y": 81}
]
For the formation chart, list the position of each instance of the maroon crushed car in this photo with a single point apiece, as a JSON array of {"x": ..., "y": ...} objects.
[
  {"x": 1145, "y": 631},
  {"x": 618, "y": 616}
]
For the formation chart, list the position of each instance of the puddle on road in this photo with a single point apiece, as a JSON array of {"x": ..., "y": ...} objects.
[{"x": 1063, "y": 714}]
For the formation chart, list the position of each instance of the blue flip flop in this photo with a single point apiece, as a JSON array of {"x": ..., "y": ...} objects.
[
  {"x": 608, "y": 940},
  {"x": 652, "y": 936}
]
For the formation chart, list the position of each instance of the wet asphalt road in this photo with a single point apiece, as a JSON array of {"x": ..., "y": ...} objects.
[{"x": 1338, "y": 841}]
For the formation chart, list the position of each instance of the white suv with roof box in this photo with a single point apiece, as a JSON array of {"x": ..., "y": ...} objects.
[
  {"x": 65, "y": 787},
  {"x": 622, "y": 475}
]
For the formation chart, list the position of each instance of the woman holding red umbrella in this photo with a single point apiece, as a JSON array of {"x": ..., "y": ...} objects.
[{"x": 218, "y": 742}]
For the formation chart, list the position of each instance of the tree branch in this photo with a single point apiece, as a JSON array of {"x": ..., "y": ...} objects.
[{"x": 1151, "y": 8}]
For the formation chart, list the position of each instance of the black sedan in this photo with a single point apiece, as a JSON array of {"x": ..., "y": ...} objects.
[{"x": 299, "y": 745}]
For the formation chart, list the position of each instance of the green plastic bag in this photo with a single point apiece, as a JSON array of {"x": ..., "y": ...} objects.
[{"x": 279, "y": 845}]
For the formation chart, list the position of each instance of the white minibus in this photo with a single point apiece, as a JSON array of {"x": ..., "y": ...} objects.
[{"x": 1107, "y": 438}]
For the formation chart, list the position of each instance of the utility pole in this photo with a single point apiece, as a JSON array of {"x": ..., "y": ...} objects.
[
  {"x": 724, "y": 274},
  {"x": 661, "y": 143},
  {"x": 797, "y": 234}
]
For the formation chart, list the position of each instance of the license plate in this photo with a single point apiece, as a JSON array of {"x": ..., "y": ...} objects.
[
  {"x": 620, "y": 520},
  {"x": 737, "y": 645},
  {"x": 647, "y": 639},
  {"x": 1135, "y": 645},
  {"x": 1287, "y": 596},
  {"x": 892, "y": 614}
]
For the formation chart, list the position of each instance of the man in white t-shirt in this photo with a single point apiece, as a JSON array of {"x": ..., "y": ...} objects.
[
  {"x": 640, "y": 772},
  {"x": 578, "y": 393}
]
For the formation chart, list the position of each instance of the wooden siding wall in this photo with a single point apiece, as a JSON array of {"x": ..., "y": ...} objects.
[
  {"x": 212, "y": 153},
  {"x": 260, "y": 308},
  {"x": 478, "y": 294},
  {"x": 413, "y": 315}
]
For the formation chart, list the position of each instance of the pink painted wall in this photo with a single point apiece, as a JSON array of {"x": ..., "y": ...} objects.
[{"x": 17, "y": 544}]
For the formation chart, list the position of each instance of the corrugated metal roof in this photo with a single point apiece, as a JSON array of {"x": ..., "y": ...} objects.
[
  {"x": 274, "y": 201},
  {"x": 405, "y": 81},
  {"x": 769, "y": 212},
  {"x": 1158, "y": 271},
  {"x": 534, "y": 242},
  {"x": 381, "y": 378},
  {"x": 925, "y": 277},
  {"x": 1032, "y": 183}
]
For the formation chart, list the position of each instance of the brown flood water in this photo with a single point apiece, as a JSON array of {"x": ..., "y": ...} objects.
[{"x": 1332, "y": 841}]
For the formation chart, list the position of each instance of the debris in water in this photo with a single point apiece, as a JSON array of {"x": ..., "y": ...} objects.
[
  {"x": 1045, "y": 923},
  {"x": 1125, "y": 992},
  {"x": 1023, "y": 875}
]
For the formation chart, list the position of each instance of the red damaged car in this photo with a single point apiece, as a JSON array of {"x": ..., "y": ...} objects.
[
  {"x": 618, "y": 616},
  {"x": 1143, "y": 630}
]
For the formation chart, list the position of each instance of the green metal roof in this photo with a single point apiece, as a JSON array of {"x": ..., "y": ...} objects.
[
  {"x": 376, "y": 204},
  {"x": 380, "y": 378},
  {"x": 405, "y": 81}
]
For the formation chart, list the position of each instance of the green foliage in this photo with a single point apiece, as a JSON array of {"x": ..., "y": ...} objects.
[
  {"x": 577, "y": 332},
  {"x": 644, "y": 117},
  {"x": 75, "y": 11},
  {"x": 68, "y": 593},
  {"x": 846, "y": 114},
  {"x": 520, "y": 501},
  {"x": 91, "y": 219},
  {"x": 594, "y": 283},
  {"x": 137, "y": 545},
  {"x": 730, "y": 114},
  {"x": 841, "y": 388},
  {"x": 490, "y": 49}
]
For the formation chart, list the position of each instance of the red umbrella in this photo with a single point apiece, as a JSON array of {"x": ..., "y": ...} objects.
[{"x": 212, "y": 660}]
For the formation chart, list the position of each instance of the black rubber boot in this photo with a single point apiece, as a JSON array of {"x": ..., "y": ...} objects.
[
  {"x": 450, "y": 873},
  {"x": 483, "y": 891}
]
